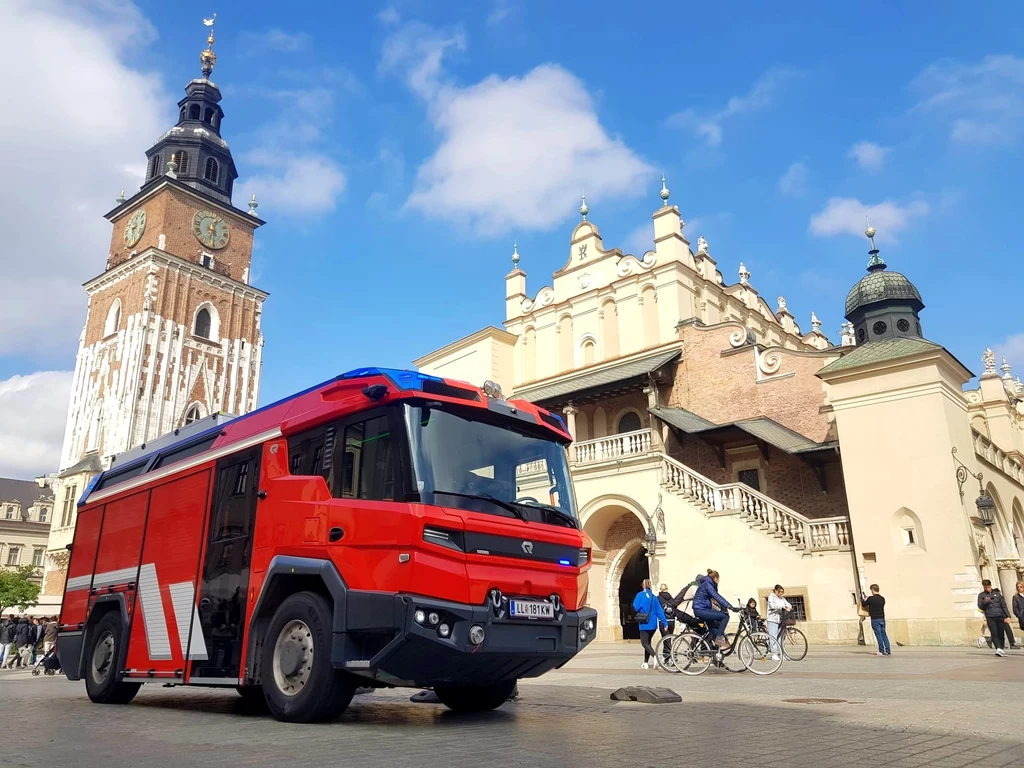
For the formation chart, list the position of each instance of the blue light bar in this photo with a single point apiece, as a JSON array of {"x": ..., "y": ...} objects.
[
  {"x": 401, "y": 379},
  {"x": 564, "y": 562}
]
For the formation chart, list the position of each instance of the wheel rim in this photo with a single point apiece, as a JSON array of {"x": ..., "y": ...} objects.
[
  {"x": 103, "y": 657},
  {"x": 760, "y": 653},
  {"x": 665, "y": 655},
  {"x": 692, "y": 655},
  {"x": 293, "y": 658}
]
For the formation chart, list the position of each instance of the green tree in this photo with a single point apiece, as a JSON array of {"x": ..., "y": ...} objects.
[{"x": 17, "y": 589}]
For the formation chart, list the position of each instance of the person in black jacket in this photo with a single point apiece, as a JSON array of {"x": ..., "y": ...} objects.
[
  {"x": 7, "y": 647},
  {"x": 1018, "y": 604},
  {"x": 668, "y": 605},
  {"x": 24, "y": 636},
  {"x": 997, "y": 615}
]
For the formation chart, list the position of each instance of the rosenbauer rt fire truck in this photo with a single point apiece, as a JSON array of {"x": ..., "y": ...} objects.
[{"x": 384, "y": 528}]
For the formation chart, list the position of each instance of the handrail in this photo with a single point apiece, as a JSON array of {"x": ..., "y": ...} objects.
[
  {"x": 618, "y": 446},
  {"x": 997, "y": 457}
]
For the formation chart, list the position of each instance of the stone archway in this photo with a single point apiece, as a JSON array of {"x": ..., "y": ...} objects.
[{"x": 617, "y": 526}]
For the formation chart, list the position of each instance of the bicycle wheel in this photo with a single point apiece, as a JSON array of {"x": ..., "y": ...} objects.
[
  {"x": 760, "y": 653},
  {"x": 692, "y": 653},
  {"x": 794, "y": 644},
  {"x": 663, "y": 654}
]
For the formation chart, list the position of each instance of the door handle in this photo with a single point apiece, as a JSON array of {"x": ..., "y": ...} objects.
[{"x": 335, "y": 534}]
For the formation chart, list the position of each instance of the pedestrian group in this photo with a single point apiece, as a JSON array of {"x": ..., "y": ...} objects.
[{"x": 22, "y": 639}]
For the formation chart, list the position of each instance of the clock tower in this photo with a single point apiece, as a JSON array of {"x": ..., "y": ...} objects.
[{"x": 173, "y": 327}]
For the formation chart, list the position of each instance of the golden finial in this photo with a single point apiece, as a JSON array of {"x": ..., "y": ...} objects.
[{"x": 208, "y": 58}]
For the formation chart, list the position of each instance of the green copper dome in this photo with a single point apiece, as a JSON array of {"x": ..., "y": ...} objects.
[{"x": 882, "y": 286}]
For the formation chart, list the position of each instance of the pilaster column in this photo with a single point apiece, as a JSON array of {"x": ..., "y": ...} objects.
[{"x": 570, "y": 412}]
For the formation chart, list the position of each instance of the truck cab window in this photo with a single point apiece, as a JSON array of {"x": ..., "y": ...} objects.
[{"x": 367, "y": 461}]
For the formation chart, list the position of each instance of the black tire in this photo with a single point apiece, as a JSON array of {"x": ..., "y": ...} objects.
[
  {"x": 475, "y": 698},
  {"x": 297, "y": 689},
  {"x": 102, "y": 658},
  {"x": 794, "y": 644}
]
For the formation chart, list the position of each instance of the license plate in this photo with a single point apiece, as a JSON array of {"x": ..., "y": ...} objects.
[{"x": 531, "y": 609}]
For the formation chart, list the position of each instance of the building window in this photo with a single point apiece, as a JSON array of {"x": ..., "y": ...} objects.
[
  {"x": 69, "y": 506},
  {"x": 212, "y": 170},
  {"x": 202, "y": 327},
  {"x": 181, "y": 115},
  {"x": 206, "y": 260},
  {"x": 183, "y": 163},
  {"x": 44, "y": 514},
  {"x": 750, "y": 477},
  {"x": 879, "y": 328},
  {"x": 208, "y": 116},
  {"x": 37, "y": 557},
  {"x": 192, "y": 415},
  {"x": 194, "y": 111},
  {"x": 630, "y": 422},
  {"x": 799, "y": 606},
  {"x": 909, "y": 537},
  {"x": 14, "y": 556},
  {"x": 9, "y": 513},
  {"x": 113, "y": 318},
  {"x": 154, "y": 166}
]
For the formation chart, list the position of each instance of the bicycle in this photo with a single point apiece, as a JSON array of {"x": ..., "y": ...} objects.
[
  {"x": 792, "y": 640},
  {"x": 693, "y": 650}
]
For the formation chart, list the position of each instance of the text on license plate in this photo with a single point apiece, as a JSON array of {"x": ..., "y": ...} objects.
[{"x": 531, "y": 609}]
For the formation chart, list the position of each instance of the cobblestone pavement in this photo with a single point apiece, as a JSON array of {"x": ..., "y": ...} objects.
[{"x": 921, "y": 707}]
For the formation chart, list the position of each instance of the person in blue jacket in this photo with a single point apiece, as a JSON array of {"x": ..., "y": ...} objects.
[
  {"x": 717, "y": 620},
  {"x": 646, "y": 602}
]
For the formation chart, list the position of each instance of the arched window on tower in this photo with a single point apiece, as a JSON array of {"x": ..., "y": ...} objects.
[
  {"x": 182, "y": 163},
  {"x": 202, "y": 326},
  {"x": 629, "y": 422},
  {"x": 212, "y": 170},
  {"x": 181, "y": 115},
  {"x": 192, "y": 415},
  {"x": 194, "y": 112},
  {"x": 154, "y": 167},
  {"x": 113, "y": 318},
  {"x": 208, "y": 116}
]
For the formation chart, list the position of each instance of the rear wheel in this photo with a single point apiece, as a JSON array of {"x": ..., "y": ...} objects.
[
  {"x": 102, "y": 659},
  {"x": 299, "y": 682},
  {"x": 663, "y": 653},
  {"x": 475, "y": 698},
  {"x": 692, "y": 653}
]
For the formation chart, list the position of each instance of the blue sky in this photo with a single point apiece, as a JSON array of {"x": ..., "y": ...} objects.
[{"x": 397, "y": 150}]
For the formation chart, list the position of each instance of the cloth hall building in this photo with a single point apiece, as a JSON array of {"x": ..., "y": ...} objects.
[{"x": 711, "y": 431}]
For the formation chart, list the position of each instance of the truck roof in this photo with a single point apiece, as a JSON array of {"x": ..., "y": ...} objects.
[{"x": 305, "y": 409}]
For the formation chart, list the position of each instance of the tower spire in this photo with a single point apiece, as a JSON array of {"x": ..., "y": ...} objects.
[
  {"x": 664, "y": 194},
  {"x": 875, "y": 263},
  {"x": 208, "y": 58}
]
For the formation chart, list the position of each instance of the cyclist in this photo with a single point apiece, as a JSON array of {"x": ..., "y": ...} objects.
[
  {"x": 716, "y": 620},
  {"x": 647, "y": 607}
]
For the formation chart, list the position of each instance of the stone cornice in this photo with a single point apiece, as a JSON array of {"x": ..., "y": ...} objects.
[{"x": 484, "y": 333}]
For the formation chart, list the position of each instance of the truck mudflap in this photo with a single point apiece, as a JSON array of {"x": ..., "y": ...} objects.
[{"x": 417, "y": 641}]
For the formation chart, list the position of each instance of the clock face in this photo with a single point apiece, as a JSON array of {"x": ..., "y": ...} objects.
[
  {"x": 210, "y": 229},
  {"x": 135, "y": 227}
]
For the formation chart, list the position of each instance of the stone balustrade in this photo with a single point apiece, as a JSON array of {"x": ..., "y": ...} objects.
[
  {"x": 992, "y": 454},
  {"x": 613, "y": 447}
]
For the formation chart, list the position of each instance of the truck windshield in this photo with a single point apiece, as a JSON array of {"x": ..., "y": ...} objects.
[{"x": 485, "y": 467}]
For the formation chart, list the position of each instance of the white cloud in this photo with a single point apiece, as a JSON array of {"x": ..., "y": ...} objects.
[
  {"x": 305, "y": 184},
  {"x": 66, "y": 151},
  {"x": 273, "y": 41},
  {"x": 515, "y": 152},
  {"x": 33, "y": 409},
  {"x": 416, "y": 54},
  {"x": 847, "y": 216},
  {"x": 501, "y": 10},
  {"x": 869, "y": 156},
  {"x": 982, "y": 103},
  {"x": 794, "y": 181},
  {"x": 389, "y": 17},
  {"x": 708, "y": 125}
]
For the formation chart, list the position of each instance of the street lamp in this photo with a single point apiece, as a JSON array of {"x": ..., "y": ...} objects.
[
  {"x": 651, "y": 540},
  {"x": 986, "y": 506}
]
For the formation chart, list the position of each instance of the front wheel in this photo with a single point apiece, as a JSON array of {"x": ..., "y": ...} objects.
[
  {"x": 692, "y": 653},
  {"x": 299, "y": 682},
  {"x": 475, "y": 698},
  {"x": 794, "y": 643},
  {"x": 103, "y": 657}
]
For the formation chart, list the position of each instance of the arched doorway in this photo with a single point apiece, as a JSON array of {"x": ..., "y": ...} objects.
[{"x": 636, "y": 569}]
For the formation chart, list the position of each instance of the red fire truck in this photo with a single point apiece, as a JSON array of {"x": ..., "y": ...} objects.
[{"x": 384, "y": 528}]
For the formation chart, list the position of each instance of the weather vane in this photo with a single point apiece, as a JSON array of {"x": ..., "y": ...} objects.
[{"x": 208, "y": 58}]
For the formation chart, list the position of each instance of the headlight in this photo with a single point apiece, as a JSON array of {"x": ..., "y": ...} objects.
[
  {"x": 444, "y": 630},
  {"x": 476, "y": 634},
  {"x": 420, "y": 616},
  {"x": 433, "y": 618}
]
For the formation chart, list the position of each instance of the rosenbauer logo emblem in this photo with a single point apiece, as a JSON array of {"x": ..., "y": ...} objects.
[{"x": 528, "y": 547}]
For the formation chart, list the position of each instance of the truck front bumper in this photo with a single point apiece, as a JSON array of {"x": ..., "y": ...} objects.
[{"x": 383, "y": 640}]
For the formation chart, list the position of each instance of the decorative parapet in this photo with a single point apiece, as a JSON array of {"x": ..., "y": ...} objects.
[{"x": 995, "y": 456}]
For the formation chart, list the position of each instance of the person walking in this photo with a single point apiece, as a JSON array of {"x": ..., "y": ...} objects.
[
  {"x": 716, "y": 620},
  {"x": 49, "y": 634},
  {"x": 1008, "y": 626},
  {"x": 997, "y": 615},
  {"x": 776, "y": 605},
  {"x": 23, "y": 637},
  {"x": 1018, "y": 605},
  {"x": 669, "y": 607},
  {"x": 648, "y": 614},
  {"x": 875, "y": 606},
  {"x": 7, "y": 627}
]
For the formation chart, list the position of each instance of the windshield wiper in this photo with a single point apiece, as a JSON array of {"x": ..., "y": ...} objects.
[
  {"x": 487, "y": 497},
  {"x": 560, "y": 514}
]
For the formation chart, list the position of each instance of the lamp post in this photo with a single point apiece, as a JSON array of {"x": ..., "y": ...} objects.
[{"x": 984, "y": 503}]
